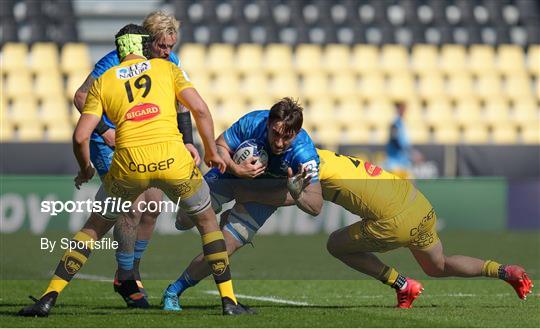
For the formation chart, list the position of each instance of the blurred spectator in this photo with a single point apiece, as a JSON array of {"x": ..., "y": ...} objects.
[{"x": 400, "y": 155}]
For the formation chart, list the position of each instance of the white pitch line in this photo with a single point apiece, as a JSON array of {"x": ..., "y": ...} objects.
[
  {"x": 265, "y": 299},
  {"x": 92, "y": 277}
]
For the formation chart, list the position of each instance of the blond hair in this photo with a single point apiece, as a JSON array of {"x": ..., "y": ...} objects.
[{"x": 159, "y": 23}]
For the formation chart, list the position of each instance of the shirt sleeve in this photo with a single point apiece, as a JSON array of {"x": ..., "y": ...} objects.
[
  {"x": 93, "y": 103},
  {"x": 180, "y": 81},
  {"x": 306, "y": 156},
  {"x": 243, "y": 129},
  {"x": 174, "y": 59},
  {"x": 105, "y": 63}
]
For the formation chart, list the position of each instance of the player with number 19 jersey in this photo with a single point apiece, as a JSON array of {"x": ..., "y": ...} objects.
[{"x": 139, "y": 97}]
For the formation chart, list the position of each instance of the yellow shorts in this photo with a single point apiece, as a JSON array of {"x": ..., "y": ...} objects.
[
  {"x": 166, "y": 165},
  {"x": 413, "y": 228}
]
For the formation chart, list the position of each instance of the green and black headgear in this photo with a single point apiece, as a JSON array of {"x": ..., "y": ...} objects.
[{"x": 133, "y": 39}]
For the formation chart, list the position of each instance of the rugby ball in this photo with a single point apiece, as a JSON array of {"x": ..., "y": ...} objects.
[{"x": 250, "y": 148}]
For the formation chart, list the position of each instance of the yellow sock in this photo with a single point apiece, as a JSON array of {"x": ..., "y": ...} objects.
[
  {"x": 71, "y": 262},
  {"x": 491, "y": 269},
  {"x": 226, "y": 290},
  {"x": 56, "y": 284},
  {"x": 215, "y": 253},
  {"x": 389, "y": 276}
]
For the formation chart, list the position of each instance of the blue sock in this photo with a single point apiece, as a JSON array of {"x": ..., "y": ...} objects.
[
  {"x": 182, "y": 283},
  {"x": 140, "y": 247},
  {"x": 125, "y": 264}
]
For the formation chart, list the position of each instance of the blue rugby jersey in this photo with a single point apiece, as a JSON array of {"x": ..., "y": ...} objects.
[{"x": 301, "y": 152}]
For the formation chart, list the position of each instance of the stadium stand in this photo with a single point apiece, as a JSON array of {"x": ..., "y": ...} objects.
[{"x": 469, "y": 71}]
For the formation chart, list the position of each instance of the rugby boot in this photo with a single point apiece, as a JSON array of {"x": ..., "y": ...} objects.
[
  {"x": 170, "y": 301},
  {"x": 131, "y": 294},
  {"x": 519, "y": 280},
  {"x": 230, "y": 308},
  {"x": 407, "y": 295},
  {"x": 117, "y": 284},
  {"x": 41, "y": 307}
]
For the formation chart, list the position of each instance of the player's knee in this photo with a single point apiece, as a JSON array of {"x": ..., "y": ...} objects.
[
  {"x": 183, "y": 222},
  {"x": 435, "y": 270},
  {"x": 332, "y": 245}
]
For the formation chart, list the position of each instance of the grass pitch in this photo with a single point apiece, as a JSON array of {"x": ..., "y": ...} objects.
[{"x": 291, "y": 281}]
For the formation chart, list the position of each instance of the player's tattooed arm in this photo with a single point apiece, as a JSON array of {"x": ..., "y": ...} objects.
[
  {"x": 310, "y": 200},
  {"x": 80, "y": 95}
]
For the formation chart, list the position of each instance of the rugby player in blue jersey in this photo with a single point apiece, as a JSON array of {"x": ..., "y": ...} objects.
[
  {"x": 292, "y": 161},
  {"x": 133, "y": 232}
]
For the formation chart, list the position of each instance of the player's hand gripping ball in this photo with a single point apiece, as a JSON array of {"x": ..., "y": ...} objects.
[{"x": 248, "y": 149}]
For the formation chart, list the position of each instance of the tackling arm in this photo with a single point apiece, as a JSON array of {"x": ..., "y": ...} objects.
[
  {"x": 81, "y": 137},
  {"x": 310, "y": 200},
  {"x": 193, "y": 101}
]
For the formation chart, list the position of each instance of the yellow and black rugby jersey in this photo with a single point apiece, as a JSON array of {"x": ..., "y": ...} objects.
[
  {"x": 362, "y": 188},
  {"x": 139, "y": 97}
]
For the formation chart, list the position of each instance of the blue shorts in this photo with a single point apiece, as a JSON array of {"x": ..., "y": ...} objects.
[
  {"x": 244, "y": 220},
  {"x": 101, "y": 156}
]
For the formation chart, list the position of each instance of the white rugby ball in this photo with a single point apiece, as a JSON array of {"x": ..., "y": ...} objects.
[{"x": 250, "y": 148}]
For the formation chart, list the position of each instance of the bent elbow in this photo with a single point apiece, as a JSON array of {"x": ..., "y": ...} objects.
[{"x": 79, "y": 137}]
